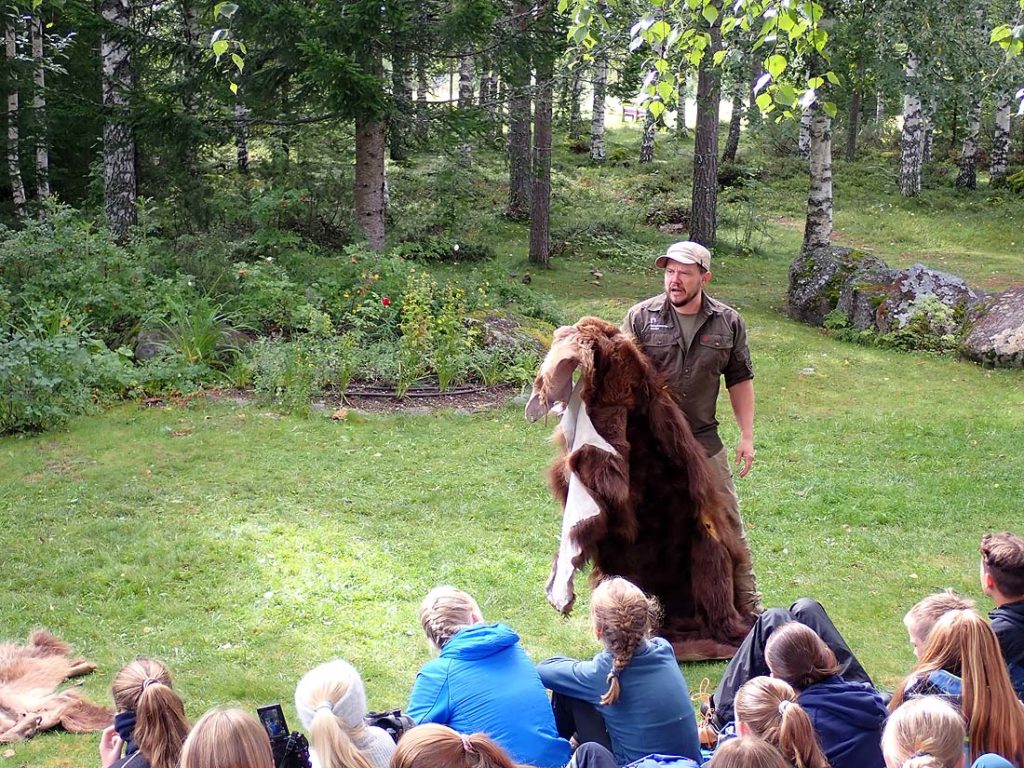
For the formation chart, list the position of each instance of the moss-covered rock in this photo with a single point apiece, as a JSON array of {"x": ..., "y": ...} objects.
[
  {"x": 995, "y": 331},
  {"x": 819, "y": 280}
]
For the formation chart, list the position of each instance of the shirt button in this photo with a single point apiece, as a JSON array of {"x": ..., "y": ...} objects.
[{"x": 686, "y": 370}]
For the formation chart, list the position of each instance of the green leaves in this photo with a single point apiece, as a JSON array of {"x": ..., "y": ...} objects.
[{"x": 775, "y": 65}]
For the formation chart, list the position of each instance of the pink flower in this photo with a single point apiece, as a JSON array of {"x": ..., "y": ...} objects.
[{"x": 385, "y": 301}]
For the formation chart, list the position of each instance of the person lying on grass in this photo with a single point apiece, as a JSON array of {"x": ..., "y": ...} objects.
[
  {"x": 962, "y": 663},
  {"x": 631, "y": 697},
  {"x": 482, "y": 680}
]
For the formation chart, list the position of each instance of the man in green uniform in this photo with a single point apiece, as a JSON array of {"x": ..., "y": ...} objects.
[{"x": 694, "y": 341}]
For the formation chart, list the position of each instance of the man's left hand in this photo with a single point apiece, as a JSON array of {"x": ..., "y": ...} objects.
[{"x": 745, "y": 454}]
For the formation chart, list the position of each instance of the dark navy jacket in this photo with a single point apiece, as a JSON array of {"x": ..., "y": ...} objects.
[
  {"x": 848, "y": 719},
  {"x": 1008, "y": 624}
]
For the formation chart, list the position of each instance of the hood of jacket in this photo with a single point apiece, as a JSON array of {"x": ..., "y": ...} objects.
[
  {"x": 479, "y": 641},
  {"x": 844, "y": 706}
]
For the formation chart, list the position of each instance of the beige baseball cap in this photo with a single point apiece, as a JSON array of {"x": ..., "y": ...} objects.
[{"x": 686, "y": 252}]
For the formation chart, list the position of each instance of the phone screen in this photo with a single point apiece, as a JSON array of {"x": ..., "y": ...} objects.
[{"x": 272, "y": 717}]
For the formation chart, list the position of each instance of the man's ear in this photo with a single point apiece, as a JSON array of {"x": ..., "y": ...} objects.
[{"x": 705, "y": 278}]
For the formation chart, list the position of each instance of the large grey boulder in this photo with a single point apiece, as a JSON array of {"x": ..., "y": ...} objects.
[
  {"x": 819, "y": 280},
  {"x": 863, "y": 291},
  {"x": 996, "y": 331},
  {"x": 914, "y": 295}
]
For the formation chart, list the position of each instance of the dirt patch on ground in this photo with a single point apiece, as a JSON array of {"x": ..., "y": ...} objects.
[
  {"x": 837, "y": 237},
  {"x": 373, "y": 400}
]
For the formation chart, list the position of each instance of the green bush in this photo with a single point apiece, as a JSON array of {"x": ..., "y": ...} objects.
[{"x": 51, "y": 370}]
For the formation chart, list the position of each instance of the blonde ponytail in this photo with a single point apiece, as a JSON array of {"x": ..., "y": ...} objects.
[
  {"x": 333, "y": 742},
  {"x": 768, "y": 706}
]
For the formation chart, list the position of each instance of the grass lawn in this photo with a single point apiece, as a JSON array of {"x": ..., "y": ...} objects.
[{"x": 243, "y": 546}]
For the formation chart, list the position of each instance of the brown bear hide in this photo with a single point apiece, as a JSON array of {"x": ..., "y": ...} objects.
[
  {"x": 661, "y": 523},
  {"x": 29, "y": 701}
]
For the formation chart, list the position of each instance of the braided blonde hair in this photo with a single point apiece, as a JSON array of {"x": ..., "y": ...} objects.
[
  {"x": 622, "y": 616},
  {"x": 444, "y": 611}
]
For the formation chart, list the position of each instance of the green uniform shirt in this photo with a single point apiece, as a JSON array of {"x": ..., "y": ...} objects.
[{"x": 694, "y": 372}]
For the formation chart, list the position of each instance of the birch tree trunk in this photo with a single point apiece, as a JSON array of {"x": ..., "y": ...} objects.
[
  {"x": 575, "y": 92},
  {"x": 880, "y": 116},
  {"x": 818, "y": 228},
  {"x": 370, "y": 180},
  {"x": 39, "y": 107},
  {"x": 968, "y": 176},
  {"x": 704, "y": 200},
  {"x": 13, "y": 115},
  {"x": 732, "y": 141},
  {"x": 520, "y": 179},
  {"x": 422, "y": 91},
  {"x": 465, "y": 82},
  {"x": 540, "y": 216},
  {"x": 681, "y": 130},
  {"x": 1000, "y": 140},
  {"x": 803, "y": 143},
  {"x": 120, "y": 188},
  {"x": 241, "y": 137},
  {"x": 647, "y": 142},
  {"x": 928, "y": 141},
  {"x": 756, "y": 70},
  {"x": 597, "y": 153},
  {"x": 911, "y": 143}
]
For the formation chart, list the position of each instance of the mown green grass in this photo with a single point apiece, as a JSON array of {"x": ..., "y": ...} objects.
[{"x": 243, "y": 546}]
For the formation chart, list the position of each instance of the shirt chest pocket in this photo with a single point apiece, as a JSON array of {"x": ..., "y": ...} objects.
[
  {"x": 662, "y": 348},
  {"x": 712, "y": 341},
  {"x": 715, "y": 349}
]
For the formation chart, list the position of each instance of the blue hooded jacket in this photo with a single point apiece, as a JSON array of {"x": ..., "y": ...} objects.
[
  {"x": 484, "y": 681},
  {"x": 848, "y": 719}
]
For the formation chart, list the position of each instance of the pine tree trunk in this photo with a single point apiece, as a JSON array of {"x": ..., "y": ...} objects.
[
  {"x": 13, "y": 133},
  {"x": 422, "y": 91},
  {"x": 818, "y": 229},
  {"x": 704, "y": 201},
  {"x": 540, "y": 216},
  {"x": 803, "y": 144},
  {"x": 597, "y": 152},
  {"x": 1000, "y": 140},
  {"x": 968, "y": 176},
  {"x": 520, "y": 179},
  {"x": 120, "y": 188},
  {"x": 241, "y": 137},
  {"x": 189, "y": 93},
  {"x": 465, "y": 82},
  {"x": 401, "y": 91},
  {"x": 732, "y": 141},
  {"x": 853, "y": 126},
  {"x": 647, "y": 142},
  {"x": 370, "y": 180},
  {"x": 39, "y": 107},
  {"x": 911, "y": 142}
]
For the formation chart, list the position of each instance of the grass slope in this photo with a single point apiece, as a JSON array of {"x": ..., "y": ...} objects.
[{"x": 243, "y": 546}]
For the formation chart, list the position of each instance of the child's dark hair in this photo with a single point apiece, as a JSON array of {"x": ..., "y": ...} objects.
[
  {"x": 1002, "y": 556},
  {"x": 623, "y": 617},
  {"x": 144, "y": 687},
  {"x": 796, "y": 654}
]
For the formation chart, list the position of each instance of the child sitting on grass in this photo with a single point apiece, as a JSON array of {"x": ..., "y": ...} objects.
[
  {"x": 768, "y": 709},
  {"x": 483, "y": 681},
  {"x": 929, "y": 733},
  {"x": 631, "y": 697},
  {"x": 747, "y": 752}
]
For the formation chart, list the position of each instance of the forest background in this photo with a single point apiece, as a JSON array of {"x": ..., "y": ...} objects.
[{"x": 241, "y": 219}]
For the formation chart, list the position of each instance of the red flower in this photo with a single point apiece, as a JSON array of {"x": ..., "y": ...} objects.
[{"x": 385, "y": 301}]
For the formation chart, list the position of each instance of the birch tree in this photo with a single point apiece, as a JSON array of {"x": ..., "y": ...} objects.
[
  {"x": 597, "y": 152},
  {"x": 39, "y": 107},
  {"x": 967, "y": 178},
  {"x": 818, "y": 227},
  {"x": 911, "y": 141},
  {"x": 1000, "y": 139},
  {"x": 13, "y": 115}
]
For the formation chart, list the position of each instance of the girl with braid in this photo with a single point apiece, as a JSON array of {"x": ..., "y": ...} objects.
[{"x": 631, "y": 697}]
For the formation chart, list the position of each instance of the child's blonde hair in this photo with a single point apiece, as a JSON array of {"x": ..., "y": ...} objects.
[
  {"x": 623, "y": 617},
  {"x": 227, "y": 738},
  {"x": 768, "y": 706},
  {"x": 331, "y": 702},
  {"x": 924, "y": 733},
  {"x": 921, "y": 619},
  {"x": 747, "y": 752},
  {"x": 444, "y": 611},
  {"x": 438, "y": 746}
]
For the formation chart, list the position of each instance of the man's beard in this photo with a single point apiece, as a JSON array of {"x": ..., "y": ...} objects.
[{"x": 687, "y": 298}]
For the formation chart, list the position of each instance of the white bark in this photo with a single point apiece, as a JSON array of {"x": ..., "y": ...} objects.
[
  {"x": 818, "y": 229},
  {"x": 968, "y": 176},
  {"x": 880, "y": 116},
  {"x": 1001, "y": 139},
  {"x": 39, "y": 107},
  {"x": 911, "y": 144},
  {"x": 466, "y": 82},
  {"x": 597, "y": 152},
  {"x": 647, "y": 143},
  {"x": 681, "y": 129},
  {"x": 13, "y": 134},
  {"x": 928, "y": 140},
  {"x": 803, "y": 144},
  {"x": 242, "y": 136},
  {"x": 119, "y": 190}
]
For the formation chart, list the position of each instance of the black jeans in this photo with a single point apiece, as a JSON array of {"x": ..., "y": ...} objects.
[
  {"x": 749, "y": 659},
  {"x": 575, "y": 717}
]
